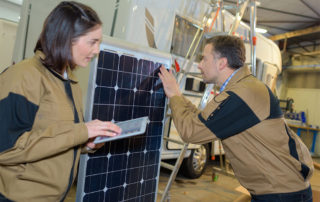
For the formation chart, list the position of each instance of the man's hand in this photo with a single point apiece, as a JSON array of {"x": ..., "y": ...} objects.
[
  {"x": 171, "y": 88},
  {"x": 100, "y": 128}
]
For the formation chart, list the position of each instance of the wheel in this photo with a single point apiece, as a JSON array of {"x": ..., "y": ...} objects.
[{"x": 194, "y": 166}]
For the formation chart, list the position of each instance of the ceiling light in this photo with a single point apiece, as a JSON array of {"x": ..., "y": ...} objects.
[{"x": 261, "y": 30}]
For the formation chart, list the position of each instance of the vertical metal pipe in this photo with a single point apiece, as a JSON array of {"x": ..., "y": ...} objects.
[
  {"x": 253, "y": 14},
  {"x": 115, "y": 15},
  {"x": 222, "y": 22}
]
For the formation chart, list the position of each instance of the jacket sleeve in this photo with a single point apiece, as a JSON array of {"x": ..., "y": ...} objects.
[
  {"x": 186, "y": 120},
  {"x": 20, "y": 141}
]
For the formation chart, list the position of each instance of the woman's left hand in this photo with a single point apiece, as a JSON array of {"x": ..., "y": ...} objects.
[
  {"x": 98, "y": 128},
  {"x": 94, "y": 146}
]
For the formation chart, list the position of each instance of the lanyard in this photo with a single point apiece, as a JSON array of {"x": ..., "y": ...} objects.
[{"x": 227, "y": 81}]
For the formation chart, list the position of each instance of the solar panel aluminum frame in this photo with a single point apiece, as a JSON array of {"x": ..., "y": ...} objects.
[{"x": 122, "y": 48}]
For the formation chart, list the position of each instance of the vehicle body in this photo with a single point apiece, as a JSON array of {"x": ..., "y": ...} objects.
[
  {"x": 8, "y": 32},
  {"x": 166, "y": 25}
]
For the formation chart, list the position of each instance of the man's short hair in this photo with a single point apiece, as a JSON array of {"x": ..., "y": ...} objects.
[{"x": 231, "y": 47}]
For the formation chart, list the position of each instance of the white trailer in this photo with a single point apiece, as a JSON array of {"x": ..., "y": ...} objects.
[
  {"x": 166, "y": 25},
  {"x": 8, "y": 32}
]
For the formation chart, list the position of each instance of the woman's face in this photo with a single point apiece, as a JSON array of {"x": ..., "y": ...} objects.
[{"x": 85, "y": 47}]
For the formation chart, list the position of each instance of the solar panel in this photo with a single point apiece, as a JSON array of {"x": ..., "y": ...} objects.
[{"x": 123, "y": 85}]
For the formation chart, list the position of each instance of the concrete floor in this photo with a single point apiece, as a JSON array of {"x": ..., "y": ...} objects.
[{"x": 205, "y": 189}]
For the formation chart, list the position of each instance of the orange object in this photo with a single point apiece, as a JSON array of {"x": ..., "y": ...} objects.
[
  {"x": 213, "y": 158},
  {"x": 214, "y": 19},
  {"x": 254, "y": 40},
  {"x": 177, "y": 66}
]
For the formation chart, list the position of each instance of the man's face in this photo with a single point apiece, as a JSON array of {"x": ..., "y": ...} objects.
[{"x": 209, "y": 65}]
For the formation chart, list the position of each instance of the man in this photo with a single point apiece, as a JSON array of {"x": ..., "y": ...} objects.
[{"x": 267, "y": 157}]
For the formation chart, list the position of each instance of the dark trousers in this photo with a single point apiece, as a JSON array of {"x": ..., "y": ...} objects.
[
  {"x": 299, "y": 196},
  {"x": 4, "y": 199}
]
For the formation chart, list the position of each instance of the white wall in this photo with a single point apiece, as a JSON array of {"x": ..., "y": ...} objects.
[
  {"x": 301, "y": 82},
  {"x": 306, "y": 100},
  {"x": 7, "y": 39}
]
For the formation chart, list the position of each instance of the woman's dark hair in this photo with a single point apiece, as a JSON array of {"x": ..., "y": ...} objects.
[
  {"x": 231, "y": 47},
  {"x": 66, "y": 22}
]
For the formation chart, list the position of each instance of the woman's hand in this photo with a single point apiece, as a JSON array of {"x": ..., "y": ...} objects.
[{"x": 100, "y": 128}]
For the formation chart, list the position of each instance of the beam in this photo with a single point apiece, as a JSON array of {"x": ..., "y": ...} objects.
[
  {"x": 285, "y": 21},
  {"x": 307, "y": 54},
  {"x": 296, "y": 33},
  {"x": 293, "y": 47},
  {"x": 267, "y": 26},
  {"x": 274, "y": 27},
  {"x": 300, "y": 46},
  {"x": 312, "y": 9},
  {"x": 278, "y": 11}
]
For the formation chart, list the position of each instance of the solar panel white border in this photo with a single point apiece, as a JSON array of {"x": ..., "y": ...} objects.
[{"x": 121, "y": 48}]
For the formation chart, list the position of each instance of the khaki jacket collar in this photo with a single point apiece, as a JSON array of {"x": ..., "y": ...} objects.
[
  {"x": 242, "y": 73},
  {"x": 40, "y": 56}
]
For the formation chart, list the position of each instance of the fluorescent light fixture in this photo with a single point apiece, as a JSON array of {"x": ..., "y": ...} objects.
[
  {"x": 261, "y": 30},
  {"x": 209, "y": 22}
]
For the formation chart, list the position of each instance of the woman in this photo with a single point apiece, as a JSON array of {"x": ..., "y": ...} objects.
[{"x": 41, "y": 118}]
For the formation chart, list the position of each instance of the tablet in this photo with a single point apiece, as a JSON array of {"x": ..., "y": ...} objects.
[{"x": 129, "y": 128}]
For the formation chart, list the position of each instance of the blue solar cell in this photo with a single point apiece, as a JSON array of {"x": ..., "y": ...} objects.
[
  {"x": 109, "y": 61},
  {"x": 148, "y": 186},
  {"x": 97, "y": 165},
  {"x": 150, "y": 171},
  {"x": 144, "y": 83},
  {"x": 116, "y": 178},
  {"x": 134, "y": 175},
  {"x": 125, "y": 97},
  {"x": 157, "y": 99},
  {"x": 104, "y": 95},
  {"x": 135, "y": 160},
  {"x": 126, "y": 80},
  {"x": 156, "y": 114},
  {"x": 94, "y": 183},
  {"x": 153, "y": 143},
  {"x": 151, "y": 157},
  {"x": 114, "y": 194},
  {"x": 132, "y": 191},
  {"x": 123, "y": 113},
  {"x": 102, "y": 112},
  {"x": 119, "y": 147},
  {"x": 139, "y": 111},
  {"x": 145, "y": 67},
  {"x": 137, "y": 144},
  {"x": 142, "y": 98},
  {"x": 95, "y": 196},
  {"x": 154, "y": 129},
  {"x": 117, "y": 162},
  {"x": 126, "y": 169},
  {"x": 106, "y": 78},
  {"x": 127, "y": 64}
]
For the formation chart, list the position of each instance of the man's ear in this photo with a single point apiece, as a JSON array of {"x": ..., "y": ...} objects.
[{"x": 223, "y": 63}]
